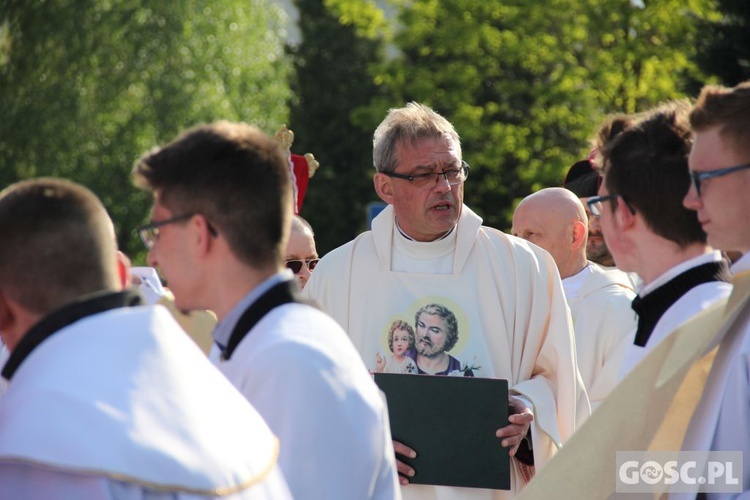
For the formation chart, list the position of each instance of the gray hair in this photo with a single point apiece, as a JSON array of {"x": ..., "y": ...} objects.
[{"x": 411, "y": 123}]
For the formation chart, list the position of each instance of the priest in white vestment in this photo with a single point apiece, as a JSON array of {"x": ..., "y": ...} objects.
[{"x": 428, "y": 250}]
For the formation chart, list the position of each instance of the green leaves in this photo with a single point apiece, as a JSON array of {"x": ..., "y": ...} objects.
[
  {"x": 527, "y": 83},
  {"x": 90, "y": 85}
]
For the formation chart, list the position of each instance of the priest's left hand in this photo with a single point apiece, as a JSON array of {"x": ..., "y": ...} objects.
[{"x": 519, "y": 422}]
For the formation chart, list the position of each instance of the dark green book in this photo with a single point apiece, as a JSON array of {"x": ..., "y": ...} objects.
[{"x": 450, "y": 422}]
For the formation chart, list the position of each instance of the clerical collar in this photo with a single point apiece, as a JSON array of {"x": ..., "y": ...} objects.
[
  {"x": 80, "y": 308},
  {"x": 412, "y": 239},
  {"x": 223, "y": 330},
  {"x": 650, "y": 308},
  {"x": 283, "y": 292}
]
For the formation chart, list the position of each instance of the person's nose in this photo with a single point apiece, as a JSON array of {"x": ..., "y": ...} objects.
[
  {"x": 594, "y": 225},
  {"x": 304, "y": 273},
  {"x": 151, "y": 259},
  {"x": 692, "y": 201},
  {"x": 442, "y": 185}
]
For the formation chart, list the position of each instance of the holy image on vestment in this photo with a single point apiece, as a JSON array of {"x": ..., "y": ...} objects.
[{"x": 420, "y": 344}]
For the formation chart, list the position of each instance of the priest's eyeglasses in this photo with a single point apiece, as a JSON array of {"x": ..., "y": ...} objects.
[
  {"x": 453, "y": 176},
  {"x": 296, "y": 265},
  {"x": 698, "y": 177}
]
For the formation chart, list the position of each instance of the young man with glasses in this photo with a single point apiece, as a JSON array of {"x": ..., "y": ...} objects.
[
  {"x": 720, "y": 170},
  {"x": 647, "y": 229},
  {"x": 690, "y": 393},
  {"x": 290, "y": 360},
  {"x": 427, "y": 247},
  {"x": 301, "y": 255}
]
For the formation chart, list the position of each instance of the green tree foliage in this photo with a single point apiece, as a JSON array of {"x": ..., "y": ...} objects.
[
  {"x": 526, "y": 83},
  {"x": 724, "y": 45},
  {"x": 331, "y": 83},
  {"x": 88, "y": 86}
]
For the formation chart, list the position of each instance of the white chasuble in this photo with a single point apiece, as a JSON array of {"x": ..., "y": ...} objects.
[{"x": 503, "y": 296}]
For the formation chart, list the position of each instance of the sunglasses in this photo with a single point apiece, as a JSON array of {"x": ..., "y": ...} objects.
[{"x": 296, "y": 265}]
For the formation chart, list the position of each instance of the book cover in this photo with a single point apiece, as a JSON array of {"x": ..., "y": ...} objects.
[{"x": 451, "y": 423}]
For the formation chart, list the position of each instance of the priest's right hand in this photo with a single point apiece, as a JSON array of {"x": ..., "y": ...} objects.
[{"x": 404, "y": 471}]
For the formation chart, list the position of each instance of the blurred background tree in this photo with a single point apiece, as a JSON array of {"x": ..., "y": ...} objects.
[
  {"x": 88, "y": 86},
  {"x": 527, "y": 83},
  {"x": 723, "y": 47},
  {"x": 331, "y": 82}
]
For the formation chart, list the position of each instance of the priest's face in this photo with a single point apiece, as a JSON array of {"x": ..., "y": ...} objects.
[
  {"x": 424, "y": 212},
  {"x": 432, "y": 334}
]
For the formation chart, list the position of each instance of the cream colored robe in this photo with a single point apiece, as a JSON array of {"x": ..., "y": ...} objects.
[
  {"x": 512, "y": 318},
  {"x": 604, "y": 325}
]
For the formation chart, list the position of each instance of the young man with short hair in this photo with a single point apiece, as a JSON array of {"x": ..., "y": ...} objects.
[{"x": 220, "y": 224}]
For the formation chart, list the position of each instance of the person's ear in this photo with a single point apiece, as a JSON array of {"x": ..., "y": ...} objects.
[
  {"x": 203, "y": 233},
  {"x": 5, "y": 313},
  {"x": 11, "y": 323},
  {"x": 384, "y": 187},
  {"x": 579, "y": 234},
  {"x": 123, "y": 269},
  {"x": 623, "y": 215}
]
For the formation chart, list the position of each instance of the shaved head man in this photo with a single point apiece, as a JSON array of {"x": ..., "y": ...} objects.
[
  {"x": 599, "y": 298},
  {"x": 554, "y": 219}
]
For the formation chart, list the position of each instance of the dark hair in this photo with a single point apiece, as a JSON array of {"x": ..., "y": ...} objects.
[
  {"x": 728, "y": 108},
  {"x": 233, "y": 174},
  {"x": 645, "y": 161},
  {"x": 447, "y": 316},
  {"x": 58, "y": 244}
]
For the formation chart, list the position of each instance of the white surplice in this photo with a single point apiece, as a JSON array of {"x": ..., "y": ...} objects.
[
  {"x": 599, "y": 301},
  {"x": 122, "y": 404}
]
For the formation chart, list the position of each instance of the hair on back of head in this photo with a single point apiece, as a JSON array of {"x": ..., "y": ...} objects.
[
  {"x": 58, "y": 244},
  {"x": 233, "y": 174},
  {"x": 728, "y": 108},
  {"x": 645, "y": 161}
]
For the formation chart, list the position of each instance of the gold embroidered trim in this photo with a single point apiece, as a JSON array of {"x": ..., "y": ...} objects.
[{"x": 156, "y": 486}]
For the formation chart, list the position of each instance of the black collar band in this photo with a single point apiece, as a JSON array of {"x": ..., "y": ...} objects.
[{"x": 652, "y": 307}]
